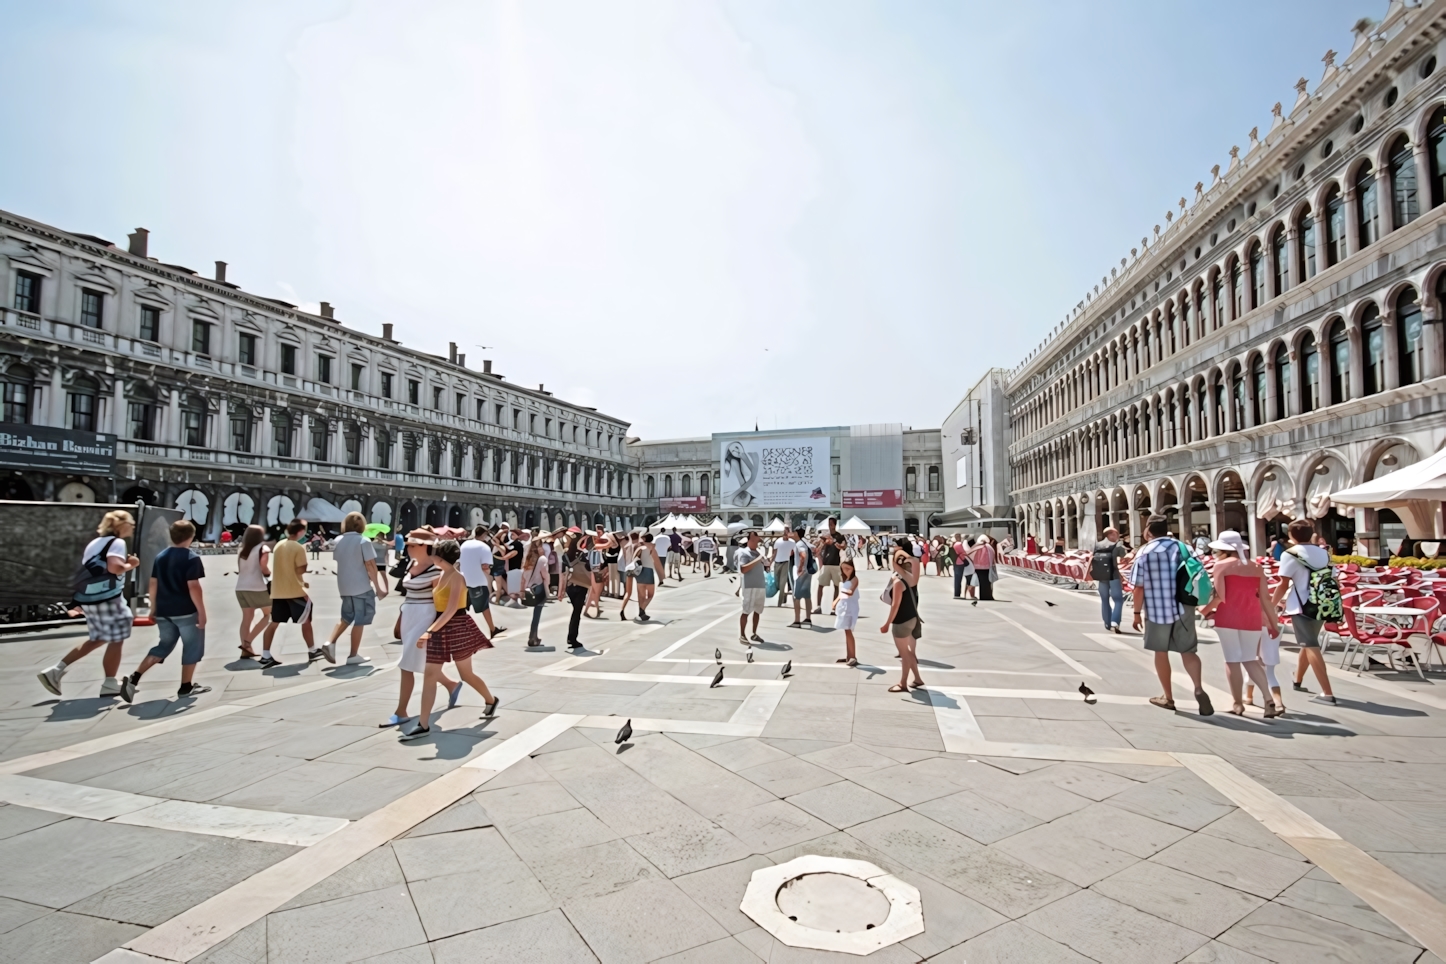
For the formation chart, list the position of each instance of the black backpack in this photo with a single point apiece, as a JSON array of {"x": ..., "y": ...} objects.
[
  {"x": 92, "y": 580},
  {"x": 1103, "y": 567}
]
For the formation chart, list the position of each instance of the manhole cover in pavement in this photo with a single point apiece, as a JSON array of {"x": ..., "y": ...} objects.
[{"x": 833, "y": 902}]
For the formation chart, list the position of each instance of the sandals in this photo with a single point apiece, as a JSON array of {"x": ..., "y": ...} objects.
[
  {"x": 1233, "y": 711},
  {"x": 1162, "y": 702},
  {"x": 898, "y": 688},
  {"x": 491, "y": 707},
  {"x": 852, "y": 661},
  {"x": 1273, "y": 709},
  {"x": 248, "y": 654}
]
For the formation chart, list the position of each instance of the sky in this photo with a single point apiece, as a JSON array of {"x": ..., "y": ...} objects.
[{"x": 695, "y": 215}]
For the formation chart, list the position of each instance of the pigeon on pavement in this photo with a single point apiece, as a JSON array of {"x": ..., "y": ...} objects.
[
  {"x": 750, "y": 656},
  {"x": 787, "y": 668},
  {"x": 718, "y": 655},
  {"x": 626, "y": 733},
  {"x": 717, "y": 679},
  {"x": 1048, "y": 603},
  {"x": 1087, "y": 693}
]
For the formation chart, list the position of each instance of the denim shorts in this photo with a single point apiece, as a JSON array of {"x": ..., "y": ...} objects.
[
  {"x": 645, "y": 577},
  {"x": 183, "y": 629},
  {"x": 359, "y": 610},
  {"x": 479, "y": 598}
]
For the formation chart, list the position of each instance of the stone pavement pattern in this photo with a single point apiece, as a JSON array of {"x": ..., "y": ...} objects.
[{"x": 584, "y": 851}]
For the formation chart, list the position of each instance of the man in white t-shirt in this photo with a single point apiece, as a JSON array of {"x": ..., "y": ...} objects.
[
  {"x": 783, "y": 550},
  {"x": 1296, "y": 564},
  {"x": 475, "y": 565},
  {"x": 706, "y": 547}
]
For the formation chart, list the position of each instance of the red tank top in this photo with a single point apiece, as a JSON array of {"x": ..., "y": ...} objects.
[{"x": 1241, "y": 609}]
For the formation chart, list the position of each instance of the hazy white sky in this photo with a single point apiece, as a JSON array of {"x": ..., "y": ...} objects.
[{"x": 692, "y": 214}]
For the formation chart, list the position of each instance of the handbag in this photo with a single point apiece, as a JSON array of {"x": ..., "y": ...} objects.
[
  {"x": 887, "y": 596},
  {"x": 400, "y": 569},
  {"x": 534, "y": 596}
]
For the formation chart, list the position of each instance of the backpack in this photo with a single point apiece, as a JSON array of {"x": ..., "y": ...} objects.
[
  {"x": 1103, "y": 567},
  {"x": 1192, "y": 582},
  {"x": 812, "y": 565},
  {"x": 1323, "y": 599},
  {"x": 93, "y": 581}
]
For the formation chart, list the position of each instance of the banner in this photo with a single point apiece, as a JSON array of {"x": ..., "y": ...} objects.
[
  {"x": 783, "y": 473},
  {"x": 872, "y": 498},
  {"x": 57, "y": 449},
  {"x": 686, "y": 503}
]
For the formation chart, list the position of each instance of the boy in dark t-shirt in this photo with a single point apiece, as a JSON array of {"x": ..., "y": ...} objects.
[{"x": 179, "y": 610}]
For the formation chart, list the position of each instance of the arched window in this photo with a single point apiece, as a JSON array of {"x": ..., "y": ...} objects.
[
  {"x": 1222, "y": 414},
  {"x": 1368, "y": 207},
  {"x": 1340, "y": 364},
  {"x": 1335, "y": 227},
  {"x": 1237, "y": 400},
  {"x": 1373, "y": 345},
  {"x": 1257, "y": 276},
  {"x": 1187, "y": 433},
  {"x": 1305, "y": 230},
  {"x": 280, "y": 431},
  {"x": 1202, "y": 412},
  {"x": 81, "y": 404},
  {"x": 410, "y": 444},
  {"x": 17, "y": 386},
  {"x": 240, "y": 427},
  {"x": 911, "y": 479},
  {"x": 1408, "y": 338},
  {"x": 1170, "y": 325},
  {"x": 667, "y": 486},
  {"x": 1405, "y": 204},
  {"x": 705, "y": 483},
  {"x": 1280, "y": 256},
  {"x": 1284, "y": 383},
  {"x": 383, "y": 440},
  {"x": 687, "y": 485},
  {"x": 1310, "y": 362},
  {"x": 1200, "y": 311},
  {"x": 1185, "y": 326},
  {"x": 193, "y": 421},
  {"x": 1237, "y": 289},
  {"x": 1217, "y": 302},
  {"x": 1436, "y": 155},
  {"x": 1258, "y": 380},
  {"x": 934, "y": 478},
  {"x": 141, "y": 413}
]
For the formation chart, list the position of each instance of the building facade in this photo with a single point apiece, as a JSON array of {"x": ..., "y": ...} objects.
[
  {"x": 1278, "y": 340},
  {"x": 240, "y": 409},
  {"x": 975, "y": 437}
]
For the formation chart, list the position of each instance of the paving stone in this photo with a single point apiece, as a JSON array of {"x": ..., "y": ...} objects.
[
  {"x": 554, "y": 831},
  {"x": 905, "y": 785},
  {"x": 701, "y": 784},
  {"x": 773, "y": 825},
  {"x": 1121, "y": 829},
  {"x": 1243, "y": 868},
  {"x": 288, "y": 789},
  {"x": 642, "y": 922},
  {"x": 950, "y": 917},
  {"x": 740, "y": 754},
  {"x": 766, "y": 947},
  {"x": 1108, "y": 930},
  {"x": 1290, "y": 936},
  {"x": 366, "y": 793},
  {"x": 1328, "y": 899},
  {"x": 591, "y": 871},
  {"x": 17, "y": 820},
  {"x": 1201, "y": 905},
  {"x": 209, "y": 785},
  {"x": 1083, "y": 780},
  {"x": 1010, "y": 943},
  {"x": 843, "y": 804},
  {"x": 976, "y": 817},
  {"x": 246, "y": 946},
  {"x": 542, "y": 939},
  {"x": 416, "y": 954},
  {"x": 437, "y": 855},
  {"x": 456, "y": 903},
  {"x": 719, "y": 890},
  {"x": 112, "y": 853},
  {"x": 725, "y": 951},
  {"x": 158, "y": 895},
  {"x": 63, "y": 938},
  {"x": 789, "y": 776},
  {"x": 1427, "y": 871},
  {"x": 1240, "y": 827},
  {"x": 463, "y": 815},
  {"x": 1295, "y": 778},
  {"x": 690, "y": 847},
  {"x": 374, "y": 871},
  {"x": 1419, "y": 782},
  {"x": 847, "y": 759},
  {"x": 13, "y": 913},
  {"x": 375, "y": 922},
  {"x": 1181, "y": 798},
  {"x": 1360, "y": 821},
  {"x": 1063, "y": 851},
  {"x": 519, "y": 803},
  {"x": 1215, "y": 952}
]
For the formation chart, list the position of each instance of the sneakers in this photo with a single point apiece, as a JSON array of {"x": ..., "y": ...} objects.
[
  {"x": 1323, "y": 698},
  {"x": 269, "y": 661},
  {"x": 128, "y": 687},
  {"x": 357, "y": 660},
  {"x": 192, "y": 689},
  {"x": 393, "y": 720},
  {"x": 110, "y": 686},
  {"x": 743, "y": 639},
  {"x": 50, "y": 678},
  {"x": 312, "y": 655},
  {"x": 329, "y": 651},
  {"x": 416, "y": 733}
]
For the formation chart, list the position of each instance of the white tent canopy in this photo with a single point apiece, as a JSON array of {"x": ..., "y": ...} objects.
[
  {"x": 717, "y": 527},
  {"x": 1414, "y": 492},
  {"x": 855, "y": 527},
  {"x": 776, "y": 527},
  {"x": 320, "y": 510}
]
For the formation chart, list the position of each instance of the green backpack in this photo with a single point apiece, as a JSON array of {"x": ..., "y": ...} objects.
[
  {"x": 1323, "y": 598},
  {"x": 1192, "y": 582}
]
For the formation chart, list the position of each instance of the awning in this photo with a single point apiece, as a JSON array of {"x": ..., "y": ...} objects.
[
  {"x": 320, "y": 510},
  {"x": 1414, "y": 493}
]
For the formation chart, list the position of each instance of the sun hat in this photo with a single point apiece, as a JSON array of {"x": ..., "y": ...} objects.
[{"x": 1230, "y": 541}]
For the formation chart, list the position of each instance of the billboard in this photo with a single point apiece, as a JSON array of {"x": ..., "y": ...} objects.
[
  {"x": 872, "y": 498},
  {"x": 685, "y": 503},
  {"x": 57, "y": 449},
  {"x": 783, "y": 473}
]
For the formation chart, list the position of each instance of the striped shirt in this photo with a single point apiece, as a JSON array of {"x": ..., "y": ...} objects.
[{"x": 1154, "y": 569}]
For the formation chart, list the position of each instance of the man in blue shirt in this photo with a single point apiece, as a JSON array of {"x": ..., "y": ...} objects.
[
  {"x": 179, "y": 610},
  {"x": 1169, "y": 624}
]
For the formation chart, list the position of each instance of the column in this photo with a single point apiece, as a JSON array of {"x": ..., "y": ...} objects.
[
  {"x": 1292, "y": 257},
  {"x": 367, "y": 447},
  {"x": 1358, "y": 360},
  {"x": 265, "y": 433},
  {"x": 1134, "y": 526},
  {"x": 117, "y": 420},
  {"x": 1393, "y": 356},
  {"x": 172, "y": 434},
  {"x": 1214, "y": 508},
  {"x": 1431, "y": 336},
  {"x": 1257, "y": 529},
  {"x": 304, "y": 443},
  {"x": 56, "y": 415},
  {"x": 1353, "y": 224},
  {"x": 218, "y": 432}
]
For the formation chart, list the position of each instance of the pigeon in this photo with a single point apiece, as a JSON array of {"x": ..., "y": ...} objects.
[
  {"x": 787, "y": 668},
  {"x": 717, "y": 678},
  {"x": 626, "y": 733},
  {"x": 1087, "y": 693},
  {"x": 1050, "y": 604},
  {"x": 718, "y": 655},
  {"x": 750, "y": 655}
]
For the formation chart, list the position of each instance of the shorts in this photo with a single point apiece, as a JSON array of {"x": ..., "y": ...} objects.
[
  {"x": 253, "y": 599},
  {"x": 1307, "y": 631},
  {"x": 514, "y": 582},
  {"x": 644, "y": 577},
  {"x": 907, "y": 628},
  {"x": 479, "y": 598},
  {"x": 290, "y": 610},
  {"x": 1239, "y": 645},
  {"x": 753, "y": 600},
  {"x": 108, "y": 621},
  {"x": 359, "y": 610},
  {"x": 830, "y": 576},
  {"x": 1176, "y": 637},
  {"x": 803, "y": 586},
  {"x": 184, "y": 629},
  {"x": 499, "y": 568}
]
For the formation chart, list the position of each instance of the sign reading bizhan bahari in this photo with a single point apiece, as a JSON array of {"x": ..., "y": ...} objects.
[
  {"x": 780, "y": 473},
  {"x": 56, "y": 449}
]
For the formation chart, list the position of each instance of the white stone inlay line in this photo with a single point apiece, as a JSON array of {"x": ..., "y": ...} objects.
[
  {"x": 906, "y": 909},
  {"x": 1060, "y": 654},
  {"x": 955, "y": 718},
  {"x": 195, "y": 931},
  {"x": 116, "y": 806}
]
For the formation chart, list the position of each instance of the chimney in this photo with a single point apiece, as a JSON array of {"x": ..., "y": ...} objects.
[
  {"x": 540, "y": 387},
  {"x": 452, "y": 352},
  {"x": 387, "y": 331},
  {"x": 486, "y": 366},
  {"x": 221, "y": 271},
  {"x": 462, "y": 360},
  {"x": 138, "y": 242},
  {"x": 326, "y": 309}
]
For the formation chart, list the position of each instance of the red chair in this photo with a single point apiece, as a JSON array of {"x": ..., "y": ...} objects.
[{"x": 1363, "y": 641}]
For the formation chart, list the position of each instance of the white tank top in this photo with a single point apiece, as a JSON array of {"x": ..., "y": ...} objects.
[{"x": 249, "y": 577}]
